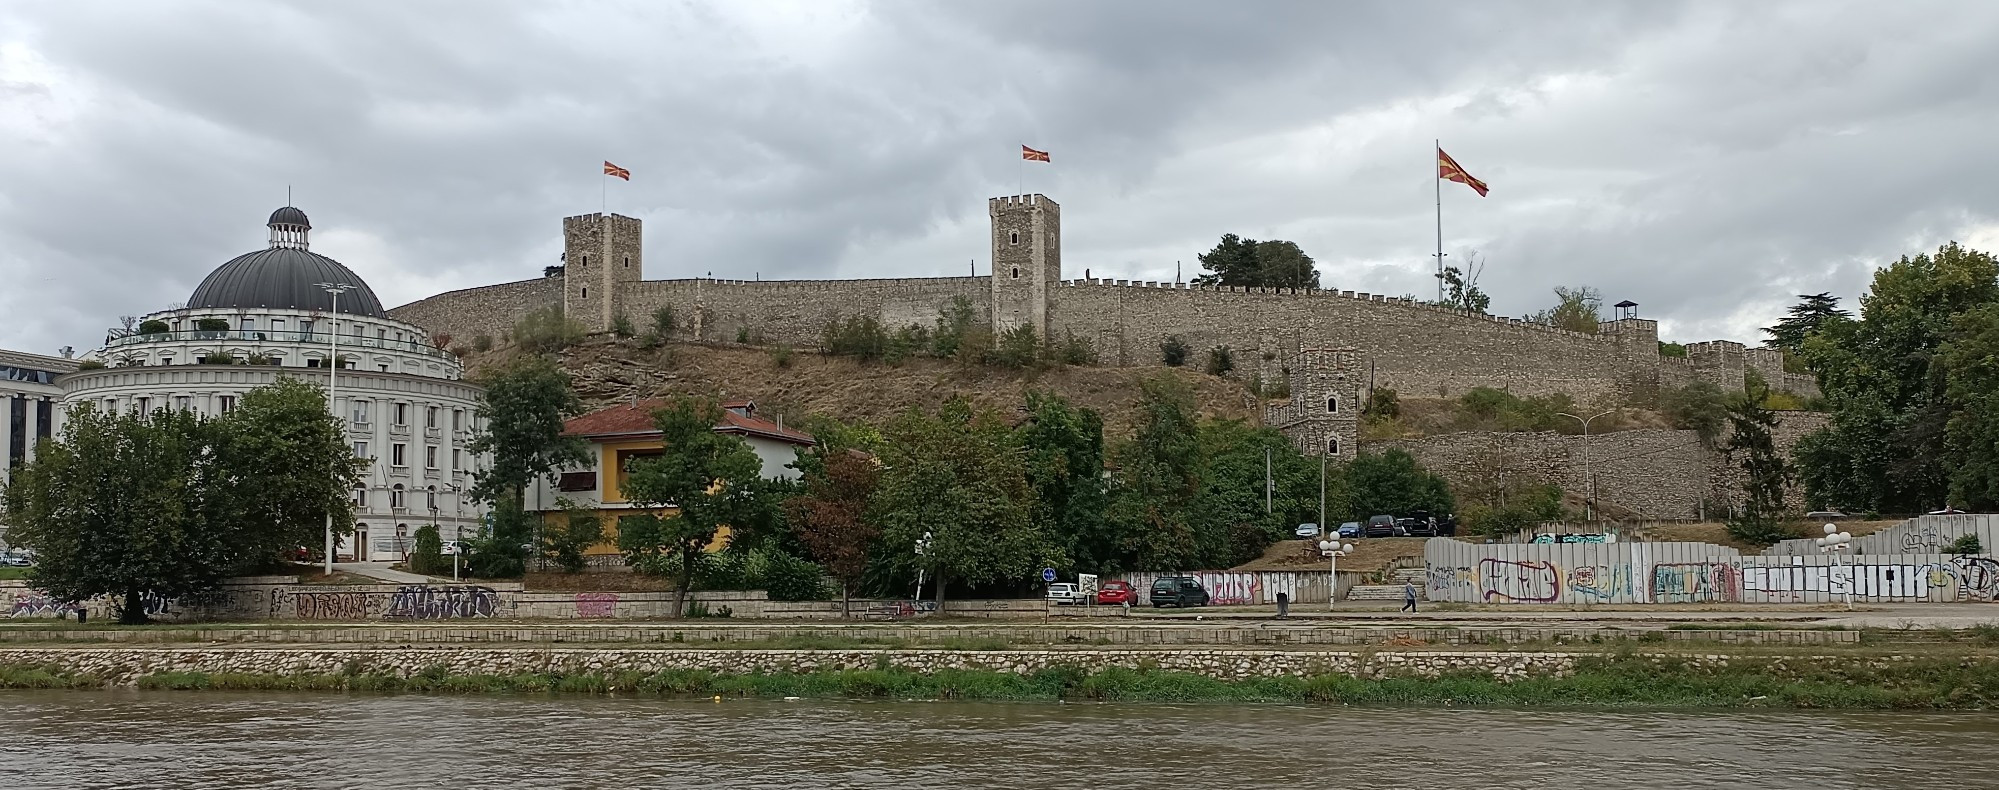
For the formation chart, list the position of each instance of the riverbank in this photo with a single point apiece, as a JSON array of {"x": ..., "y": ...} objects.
[{"x": 1513, "y": 679}]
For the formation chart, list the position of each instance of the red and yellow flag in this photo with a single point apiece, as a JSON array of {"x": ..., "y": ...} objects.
[
  {"x": 1032, "y": 155},
  {"x": 1448, "y": 170},
  {"x": 619, "y": 172}
]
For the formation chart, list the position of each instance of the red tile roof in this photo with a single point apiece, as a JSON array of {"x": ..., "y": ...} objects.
[{"x": 634, "y": 420}]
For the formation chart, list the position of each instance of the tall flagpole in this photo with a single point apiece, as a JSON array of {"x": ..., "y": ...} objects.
[{"x": 1436, "y": 176}]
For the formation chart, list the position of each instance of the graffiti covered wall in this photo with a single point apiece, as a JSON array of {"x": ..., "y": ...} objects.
[{"x": 1694, "y": 573}]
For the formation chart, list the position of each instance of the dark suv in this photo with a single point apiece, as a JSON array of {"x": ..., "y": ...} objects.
[
  {"x": 1383, "y": 527},
  {"x": 1181, "y": 591},
  {"x": 1419, "y": 524}
]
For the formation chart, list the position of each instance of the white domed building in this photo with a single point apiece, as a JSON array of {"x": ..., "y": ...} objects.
[{"x": 273, "y": 313}]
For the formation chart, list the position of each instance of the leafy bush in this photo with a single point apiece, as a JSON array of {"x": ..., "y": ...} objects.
[
  {"x": 566, "y": 542},
  {"x": 427, "y": 555},
  {"x": 153, "y": 327},
  {"x": 662, "y": 322},
  {"x": 218, "y": 358},
  {"x": 90, "y": 364},
  {"x": 1966, "y": 543},
  {"x": 1220, "y": 361},
  {"x": 1383, "y": 403},
  {"x": 1673, "y": 350},
  {"x": 547, "y": 331},
  {"x": 1173, "y": 351},
  {"x": 1699, "y": 407},
  {"x": 861, "y": 337},
  {"x": 622, "y": 326},
  {"x": 1525, "y": 506},
  {"x": 211, "y": 325},
  {"x": 788, "y": 578},
  {"x": 482, "y": 343},
  {"x": 955, "y": 322},
  {"x": 743, "y": 335},
  {"x": 780, "y": 355},
  {"x": 1076, "y": 350},
  {"x": 1019, "y": 347},
  {"x": 500, "y": 551},
  {"x": 1494, "y": 409}
]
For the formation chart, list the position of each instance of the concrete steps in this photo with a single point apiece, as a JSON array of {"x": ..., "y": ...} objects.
[{"x": 1392, "y": 591}]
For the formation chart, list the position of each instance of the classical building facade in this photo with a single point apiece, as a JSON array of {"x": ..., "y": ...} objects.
[
  {"x": 270, "y": 314},
  {"x": 28, "y": 408}
]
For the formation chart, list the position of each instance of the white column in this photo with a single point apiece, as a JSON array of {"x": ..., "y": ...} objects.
[{"x": 6, "y": 433}]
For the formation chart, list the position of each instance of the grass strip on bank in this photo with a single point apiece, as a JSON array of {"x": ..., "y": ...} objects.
[{"x": 1598, "y": 681}]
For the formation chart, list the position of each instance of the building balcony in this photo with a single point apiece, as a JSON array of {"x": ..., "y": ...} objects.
[
  {"x": 288, "y": 338},
  {"x": 432, "y": 433},
  {"x": 399, "y": 430}
]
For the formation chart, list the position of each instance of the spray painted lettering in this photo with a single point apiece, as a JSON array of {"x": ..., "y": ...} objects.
[
  {"x": 1695, "y": 582},
  {"x": 1602, "y": 581},
  {"x": 425, "y": 602},
  {"x": 596, "y": 604},
  {"x": 332, "y": 606},
  {"x": 1506, "y": 581},
  {"x": 36, "y": 604}
]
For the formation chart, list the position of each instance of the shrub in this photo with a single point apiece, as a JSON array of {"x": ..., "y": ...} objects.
[
  {"x": 547, "y": 331},
  {"x": 780, "y": 355},
  {"x": 218, "y": 358},
  {"x": 1672, "y": 350},
  {"x": 90, "y": 364},
  {"x": 1383, "y": 403},
  {"x": 1019, "y": 347},
  {"x": 567, "y": 542},
  {"x": 743, "y": 335},
  {"x": 152, "y": 327},
  {"x": 482, "y": 343},
  {"x": 1173, "y": 351},
  {"x": 1699, "y": 407},
  {"x": 1966, "y": 543},
  {"x": 1076, "y": 350},
  {"x": 786, "y": 577},
  {"x": 261, "y": 358},
  {"x": 427, "y": 555},
  {"x": 211, "y": 325},
  {"x": 662, "y": 322},
  {"x": 622, "y": 326},
  {"x": 861, "y": 337},
  {"x": 1220, "y": 361},
  {"x": 955, "y": 322}
]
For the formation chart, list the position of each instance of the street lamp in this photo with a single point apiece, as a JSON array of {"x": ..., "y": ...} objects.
[
  {"x": 1589, "y": 483},
  {"x": 332, "y": 405},
  {"x": 1833, "y": 543},
  {"x": 922, "y": 549},
  {"x": 1333, "y": 549}
]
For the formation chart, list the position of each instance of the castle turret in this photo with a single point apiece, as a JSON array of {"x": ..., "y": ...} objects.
[
  {"x": 599, "y": 252},
  {"x": 1328, "y": 393},
  {"x": 1027, "y": 260}
]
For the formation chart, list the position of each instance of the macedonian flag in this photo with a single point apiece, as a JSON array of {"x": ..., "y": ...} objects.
[
  {"x": 616, "y": 171},
  {"x": 1032, "y": 155},
  {"x": 1447, "y": 169}
]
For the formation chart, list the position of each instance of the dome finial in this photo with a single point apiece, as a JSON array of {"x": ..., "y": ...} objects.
[{"x": 289, "y": 226}]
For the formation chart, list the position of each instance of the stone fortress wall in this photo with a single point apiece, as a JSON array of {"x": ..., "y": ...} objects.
[{"x": 1415, "y": 348}]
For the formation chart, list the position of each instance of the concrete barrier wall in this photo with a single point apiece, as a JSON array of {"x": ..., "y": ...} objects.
[
  {"x": 1232, "y": 588},
  {"x": 1693, "y": 573}
]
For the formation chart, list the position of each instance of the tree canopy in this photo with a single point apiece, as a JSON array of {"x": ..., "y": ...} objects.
[
  {"x": 1248, "y": 262},
  {"x": 700, "y": 482}
]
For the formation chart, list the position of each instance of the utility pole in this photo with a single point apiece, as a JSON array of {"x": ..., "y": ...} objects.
[
  {"x": 1267, "y": 484},
  {"x": 1322, "y": 490}
]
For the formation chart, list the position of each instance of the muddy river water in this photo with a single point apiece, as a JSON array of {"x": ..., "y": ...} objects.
[{"x": 203, "y": 740}]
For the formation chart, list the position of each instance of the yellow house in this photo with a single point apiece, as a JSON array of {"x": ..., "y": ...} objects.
[{"x": 624, "y": 433}]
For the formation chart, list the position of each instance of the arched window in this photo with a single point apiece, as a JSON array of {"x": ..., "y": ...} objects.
[
  {"x": 1332, "y": 447},
  {"x": 1016, "y": 272},
  {"x": 396, "y": 496},
  {"x": 1333, "y": 405},
  {"x": 1013, "y": 237}
]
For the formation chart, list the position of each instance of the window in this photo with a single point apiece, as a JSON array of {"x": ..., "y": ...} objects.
[
  {"x": 183, "y": 403},
  {"x": 228, "y": 403},
  {"x": 1016, "y": 272},
  {"x": 144, "y": 405},
  {"x": 430, "y": 497},
  {"x": 456, "y": 457},
  {"x": 586, "y": 261},
  {"x": 628, "y": 261},
  {"x": 402, "y": 414},
  {"x": 381, "y": 334},
  {"x": 586, "y": 292},
  {"x": 457, "y": 419},
  {"x": 397, "y": 454},
  {"x": 430, "y": 457},
  {"x": 360, "y": 449},
  {"x": 396, "y": 496},
  {"x": 249, "y": 324},
  {"x": 430, "y": 417},
  {"x": 1332, "y": 405},
  {"x": 361, "y": 498},
  {"x": 577, "y": 481},
  {"x": 628, "y": 457},
  {"x": 1332, "y": 447},
  {"x": 361, "y": 412},
  {"x": 305, "y": 326},
  {"x": 1013, "y": 237},
  {"x": 277, "y": 325}
]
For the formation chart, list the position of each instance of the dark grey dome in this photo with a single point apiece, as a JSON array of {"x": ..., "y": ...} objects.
[
  {"x": 289, "y": 216},
  {"x": 287, "y": 275}
]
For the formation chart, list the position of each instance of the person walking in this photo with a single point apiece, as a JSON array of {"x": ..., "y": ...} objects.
[{"x": 1408, "y": 597}]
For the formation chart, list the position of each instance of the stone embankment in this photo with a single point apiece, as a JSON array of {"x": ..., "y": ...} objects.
[{"x": 125, "y": 666}]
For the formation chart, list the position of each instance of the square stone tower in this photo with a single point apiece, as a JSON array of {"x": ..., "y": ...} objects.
[
  {"x": 1027, "y": 260},
  {"x": 599, "y": 253},
  {"x": 1328, "y": 392}
]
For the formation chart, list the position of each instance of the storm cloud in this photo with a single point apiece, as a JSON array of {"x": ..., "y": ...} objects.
[{"x": 1707, "y": 160}]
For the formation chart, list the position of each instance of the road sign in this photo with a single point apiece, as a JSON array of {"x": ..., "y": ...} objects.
[{"x": 1048, "y": 574}]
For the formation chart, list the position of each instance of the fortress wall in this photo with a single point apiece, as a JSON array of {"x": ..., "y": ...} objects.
[
  {"x": 1416, "y": 349},
  {"x": 796, "y": 311},
  {"x": 487, "y": 310},
  {"x": 1657, "y": 473}
]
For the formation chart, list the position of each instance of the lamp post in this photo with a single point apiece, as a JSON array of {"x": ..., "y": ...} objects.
[
  {"x": 1333, "y": 549},
  {"x": 922, "y": 549},
  {"x": 1589, "y": 483},
  {"x": 1833, "y": 543},
  {"x": 333, "y": 405}
]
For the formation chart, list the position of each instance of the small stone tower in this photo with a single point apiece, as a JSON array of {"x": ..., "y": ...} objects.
[
  {"x": 1328, "y": 392},
  {"x": 1027, "y": 260},
  {"x": 599, "y": 254}
]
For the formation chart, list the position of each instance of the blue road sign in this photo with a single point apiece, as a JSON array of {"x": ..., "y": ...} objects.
[{"x": 1048, "y": 574}]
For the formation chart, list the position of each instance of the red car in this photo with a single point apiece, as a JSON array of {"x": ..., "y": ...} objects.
[{"x": 1114, "y": 593}]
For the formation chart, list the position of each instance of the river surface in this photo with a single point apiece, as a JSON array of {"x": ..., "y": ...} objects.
[{"x": 203, "y": 740}]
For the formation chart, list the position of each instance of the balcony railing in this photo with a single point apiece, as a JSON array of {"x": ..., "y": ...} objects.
[{"x": 254, "y": 336}]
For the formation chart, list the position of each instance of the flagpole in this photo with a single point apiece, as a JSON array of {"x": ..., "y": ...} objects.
[
  {"x": 1020, "y": 172},
  {"x": 1437, "y": 179},
  {"x": 604, "y": 194}
]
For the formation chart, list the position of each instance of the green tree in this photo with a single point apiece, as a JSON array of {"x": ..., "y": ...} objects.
[
  {"x": 1885, "y": 381},
  {"x": 1578, "y": 309},
  {"x": 1064, "y": 457},
  {"x": 1173, "y": 351},
  {"x": 522, "y": 411},
  {"x": 1220, "y": 361},
  {"x": 1804, "y": 320},
  {"x": 547, "y": 330},
  {"x": 286, "y": 467},
  {"x": 1700, "y": 407},
  {"x": 1158, "y": 478},
  {"x": 427, "y": 554},
  {"x": 1246, "y": 262},
  {"x": 1392, "y": 483},
  {"x": 831, "y": 517},
  {"x": 566, "y": 543},
  {"x": 956, "y": 322},
  {"x": 1231, "y": 524},
  {"x": 500, "y": 549},
  {"x": 958, "y": 476},
  {"x": 1462, "y": 291},
  {"x": 702, "y": 476},
  {"x": 1284, "y": 265},
  {"x": 1971, "y": 437},
  {"x": 1764, "y": 471}
]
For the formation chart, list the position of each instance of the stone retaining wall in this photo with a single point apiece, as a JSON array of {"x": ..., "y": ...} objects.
[{"x": 124, "y": 666}]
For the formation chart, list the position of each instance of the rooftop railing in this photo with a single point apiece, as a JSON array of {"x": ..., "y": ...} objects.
[{"x": 266, "y": 336}]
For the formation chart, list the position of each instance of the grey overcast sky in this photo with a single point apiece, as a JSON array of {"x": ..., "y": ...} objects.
[{"x": 1708, "y": 160}]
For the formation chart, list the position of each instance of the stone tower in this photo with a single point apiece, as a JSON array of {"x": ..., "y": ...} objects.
[
  {"x": 1027, "y": 260},
  {"x": 1328, "y": 391},
  {"x": 599, "y": 254}
]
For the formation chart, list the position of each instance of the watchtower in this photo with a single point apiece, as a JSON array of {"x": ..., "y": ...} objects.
[
  {"x": 1027, "y": 260},
  {"x": 599, "y": 253},
  {"x": 1328, "y": 393}
]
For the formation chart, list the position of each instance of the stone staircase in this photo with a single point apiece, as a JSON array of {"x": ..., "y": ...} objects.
[{"x": 1391, "y": 591}]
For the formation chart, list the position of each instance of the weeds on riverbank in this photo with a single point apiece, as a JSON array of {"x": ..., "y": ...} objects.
[{"x": 1597, "y": 681}]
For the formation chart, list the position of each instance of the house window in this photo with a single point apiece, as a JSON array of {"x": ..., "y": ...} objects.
[
  {"x": 628, "y": 457},
  {"x": 304, "y": 326},
  {"x": 457, "y": 419},
  {"x": 361, "y": 412},
  {"x": 228, "y": 403},
  {"x": 361, "y": 498},
  {"x": 396, "y": 497},
  {"x": 1332, "y": 447},
  {"x": 430, "y": 457},
  {"x": 586, "y": 292},
  {"x": 277, "y": 325},
  {"x": 430, "y": 417},
  {"x": 402, "y": 414},
  {"x": 398, "y": 454},
  {"x": 145, "y": 405},
  {"x": 577, "y": 481},
  {"x": 457, "y": 456},
  {"x": 1332, "y": 405},
  {"x": 360, "y": 449},
  {"x": 249, "y": 324},
  {"x": 183, "y": 403}
]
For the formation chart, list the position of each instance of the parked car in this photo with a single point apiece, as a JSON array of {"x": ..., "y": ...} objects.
[
  {"x": 1825, "y": 515},
  {"x": 1307, "y": 531},
  {"x": 1180, "y": 591},
  {"x": 1384, "y": 527},
  {"x": 1065, "y": 594},
  {"x": 1417, "y": 527},
  {"x": 1117, "y": 593},
  {"x": 16, "y": 559},
  {"x": 1350, "y": 529}
]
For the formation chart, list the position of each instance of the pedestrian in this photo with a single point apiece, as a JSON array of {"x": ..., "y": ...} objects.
[{"x": 1408, "y": 597}]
